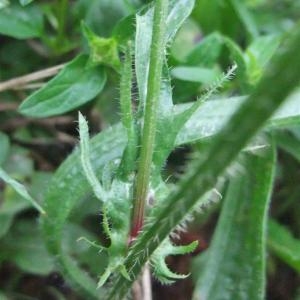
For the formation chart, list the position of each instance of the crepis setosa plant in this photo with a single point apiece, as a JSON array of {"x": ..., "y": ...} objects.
[
  {"x": 139, "y": 209},
  {"x": 129, "y": 188}
]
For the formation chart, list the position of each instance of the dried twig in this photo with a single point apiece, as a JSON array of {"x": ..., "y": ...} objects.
[
  {"x": 31, "y": 86},
  {"x": 141, "y": 289},
  {"x": 4, "y": 106},
  {"x": 18, "y": 82}
]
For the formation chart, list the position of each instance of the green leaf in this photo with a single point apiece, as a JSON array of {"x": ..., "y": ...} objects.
[
  {"x": 195, "y": 74},
  {"x": 24, "y": 246},
  {"x": 212, "y": 115},
  {"x": 284, "y": 245},
  {"x": 124, "y": 30},
  {"x": 128, "y": 163},
  {"x": 206, "y": 52},
  {"x": 13, "y": 203},
  {"x": 101, "y": 16},
  {"x": 288, "y": 143},
  {"x": 245, "y": 17},
  {"x": 179, "y": 10},
  {"x": 235, "y": 265},
  {"x": 86, "y": 162},
  {"x": 258, "y": 55},
  {"x": 20, "y": 189},
  {"x": 237, "y": 56},
  {"x": 20, "y": 22},
  {"x": 160, "y": 268},
  {"x": 75, "y": 85},
  {"x": 4, "y": 147},
  {"x": 5, "y": 223},
  {"x": 70, "y": 176},
  {"x": 103, "y": 51}
]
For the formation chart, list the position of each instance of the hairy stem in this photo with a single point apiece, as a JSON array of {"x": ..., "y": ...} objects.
[
  {"x": 129, "y": 156},
  {"x": 149, "y": 126}
]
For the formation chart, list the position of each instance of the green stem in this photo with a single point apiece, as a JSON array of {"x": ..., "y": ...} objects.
[
  {"x": 129, "y": 156},
  {"x": 61, "y": 17},
  {"x": 280, "y": 79},
  {"x": 149, "y": 129}
]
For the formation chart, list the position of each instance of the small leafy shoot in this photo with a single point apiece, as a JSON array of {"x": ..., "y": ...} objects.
[{"x": 85, "y": 159}]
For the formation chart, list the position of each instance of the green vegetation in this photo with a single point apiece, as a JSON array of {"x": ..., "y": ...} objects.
[{"x": 92, "y": 218}]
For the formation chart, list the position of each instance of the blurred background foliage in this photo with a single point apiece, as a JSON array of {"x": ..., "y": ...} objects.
[{"x": 43, "y": 34}]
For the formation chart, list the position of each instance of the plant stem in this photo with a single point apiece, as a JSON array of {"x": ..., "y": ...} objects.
[
  {"x": 141, "y": 288},
  {"x": 129, "y": 156},
  {"x": 149, "y": 129},
  {"x": 61, "y": 16}
]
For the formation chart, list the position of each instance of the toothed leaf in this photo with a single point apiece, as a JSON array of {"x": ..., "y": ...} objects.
[
  {"x": 116, "y": 224},
  {"x": 160, "y": 269}
]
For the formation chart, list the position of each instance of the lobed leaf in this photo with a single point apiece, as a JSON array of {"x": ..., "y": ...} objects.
[{"x": 160, "y": 269}]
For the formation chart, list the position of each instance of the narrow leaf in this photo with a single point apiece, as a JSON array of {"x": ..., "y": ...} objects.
[
  {"x": 127, "y": 165},
  {"x": 212, "y": 115},
  {"x": 289, "y": 143},
  {"x": 4, "y": 147},
  {"x": 245, "y": 17},
  {"x": 206, "y": 53},
  {"x": 74, "y": 86},
  {"x": 85, "y": 159},
  {"x": 179, "y": 10},
  {"x": 194, "y": 74},
  {"x": 20, "y": 189},
  {"x": 284, "y": 245},
  {"x": 235, "y": 265}
]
